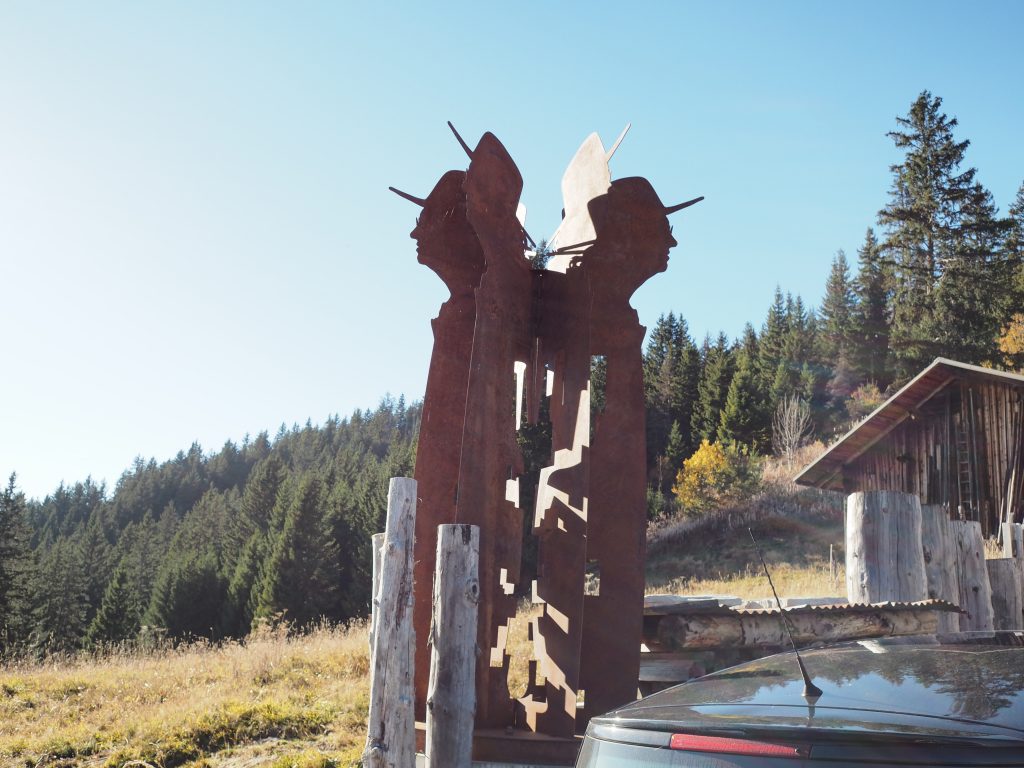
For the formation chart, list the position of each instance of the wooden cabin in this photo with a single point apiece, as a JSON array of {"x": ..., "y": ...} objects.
[{"x": 954, "y": 435}]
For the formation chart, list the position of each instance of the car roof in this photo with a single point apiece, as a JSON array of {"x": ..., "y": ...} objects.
[{"x": 955, "y": 686}]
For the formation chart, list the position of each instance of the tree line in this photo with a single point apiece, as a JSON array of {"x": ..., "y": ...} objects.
[
  {"x": 205, "y": 545},
  {"x": 279, "y": 528},
  {"x": 941, "y": 275}
]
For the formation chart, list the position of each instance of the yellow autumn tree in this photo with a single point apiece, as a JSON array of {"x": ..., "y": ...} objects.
[
  {"x": 1011, "y": 342},
  {"x": 715, "y": 476}
]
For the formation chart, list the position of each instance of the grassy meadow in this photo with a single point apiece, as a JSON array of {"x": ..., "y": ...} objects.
[
  {"x": 283, "y": 700},
  {"x": 276, "y": 701}
]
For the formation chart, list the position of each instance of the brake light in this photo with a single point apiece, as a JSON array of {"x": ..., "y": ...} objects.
[{"x": 694, "y": 743}]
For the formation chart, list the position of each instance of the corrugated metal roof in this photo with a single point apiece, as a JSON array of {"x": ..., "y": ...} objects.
[
  {"x": 675, "y": 605},
  {"x": 848, "y": 608},
  {"x": 826, "y": 471}
]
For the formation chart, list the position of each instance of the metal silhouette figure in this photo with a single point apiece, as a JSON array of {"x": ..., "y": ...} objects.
[{"x": 508, "y": 335}]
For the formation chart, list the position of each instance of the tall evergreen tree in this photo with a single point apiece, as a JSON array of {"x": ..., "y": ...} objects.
[
  {"x": 118, "y": 616},
  {"x": 745, "y": 417},
  {"x": 713, "y": 388},
  {"x": 922, "y": 221},
  {"x": 15, "y": 567},
  {"x": 871, "y": 318},
  {"x": 837, "y": 311},
  {"x": 300, "y": 576},
  {"x": 61, "y": 599},
  {"x": 973, "y": 295},
  {"x": 188, "y": 596},
  {"x": 773, "y": 337}
]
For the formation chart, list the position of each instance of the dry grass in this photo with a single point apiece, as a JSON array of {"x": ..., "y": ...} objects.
[
  {"x": 790, "y": 581},
  {"x": 182, "y": 706},
  {"x": 300, "y": 701}
]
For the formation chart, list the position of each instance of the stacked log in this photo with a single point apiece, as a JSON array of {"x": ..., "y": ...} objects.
[
  {"x": 975, "y": 590},
  {"x": 1004, "y": 574},
  {"x": 938, "y": 546},
  {"x": 884, "y": 559}
]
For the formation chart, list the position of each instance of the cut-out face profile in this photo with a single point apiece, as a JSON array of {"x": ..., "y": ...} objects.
[
  {"x": 633, "y": 235},
  {"x": 446, "y": 243}
]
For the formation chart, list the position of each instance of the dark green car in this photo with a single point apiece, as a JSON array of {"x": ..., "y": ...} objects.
[{"x": 954, "y": 700}]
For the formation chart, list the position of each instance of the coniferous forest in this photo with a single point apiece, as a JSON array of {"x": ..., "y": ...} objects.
[{"x": 210, "y": 544}]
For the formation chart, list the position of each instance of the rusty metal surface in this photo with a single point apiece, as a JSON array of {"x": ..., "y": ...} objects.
[
  {"x": 508, "y": 327},
  {"x": 448, "y": 245},
  {"x": 633, "y": 241},
  {"x": 488, "y": 493}
]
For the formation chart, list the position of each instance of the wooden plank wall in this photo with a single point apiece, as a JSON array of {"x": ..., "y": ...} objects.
[{"x": 920, "y": 454}]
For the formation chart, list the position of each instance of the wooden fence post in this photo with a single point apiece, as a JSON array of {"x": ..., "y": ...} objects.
[
  {"x": 1013, "y": 540},
  {"x": 939, "y": 549},
  {"x": 1004, "y": 575},
  {"x": 975, "y": 591},
  {"x": 377, "y": 547},
  {"x": 391, "y": 732},
  {"x": 884, "y": 560},
  {"x": 451, "y": 694}
]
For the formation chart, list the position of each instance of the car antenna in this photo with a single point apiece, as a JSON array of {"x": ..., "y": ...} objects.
[{"x": 811, "y": 691}]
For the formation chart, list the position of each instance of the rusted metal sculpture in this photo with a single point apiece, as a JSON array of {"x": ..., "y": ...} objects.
[
  {"x": 449, "y": 246},
  {"x": 507, "y": 333}
]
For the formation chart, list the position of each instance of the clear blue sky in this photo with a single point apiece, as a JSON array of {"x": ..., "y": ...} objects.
[{"x": 196, "y": 237}]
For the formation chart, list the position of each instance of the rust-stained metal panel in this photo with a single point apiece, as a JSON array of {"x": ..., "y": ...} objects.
[
  {"x": 447, "y": 244},
  {"x": 507, "y": 326},
  {"x": 491, "y": 463}
]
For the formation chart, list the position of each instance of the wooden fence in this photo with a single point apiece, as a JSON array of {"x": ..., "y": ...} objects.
[{"x": 391, "y": 735}]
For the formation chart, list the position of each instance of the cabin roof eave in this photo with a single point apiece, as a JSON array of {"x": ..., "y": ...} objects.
[{"x": 826, "y": 472}]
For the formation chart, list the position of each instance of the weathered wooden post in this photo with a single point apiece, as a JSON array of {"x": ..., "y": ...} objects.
[
  {"x": 884, "y": 560},
  {"x": 1004, "y": 575},
  {"x": 1013, "y": 540},
  {"x": 391, "y": 732},
  {"x": 451, "y": 693},
  {"x": 377, "y": 547},
  {"x": 939, "y": 549},
  {"x": 975, "y": 591}
]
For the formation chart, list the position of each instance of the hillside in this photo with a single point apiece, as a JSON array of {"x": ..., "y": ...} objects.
[{"x": 278, "y": 700}]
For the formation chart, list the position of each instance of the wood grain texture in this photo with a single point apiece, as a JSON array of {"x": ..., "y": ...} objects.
[
  {"x": 391, "y": 732},
  {"x": 975, "y": 590},
  {"x": 451, "y": 694},
  {"x": 884, "y": 559},
  {"x": 1005, "y": 578},
  {"x": 938, "y": 547}
]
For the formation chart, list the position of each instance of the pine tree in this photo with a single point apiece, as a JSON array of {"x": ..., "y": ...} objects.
[
  {"x": 96, "y": 564},
  {"x": 242, "y": 599},
  {"x": 254, "y": 509},
  {"x": 837, "y": 311},
  {"x": 685, "y": 380},
  {"x": 188, "y": 596},
  {"x": 301, "y": 573},
  {"x": 61, "y": 599},
  {"x": 973, "y": 295},
  {"x": 118, "y": 616},
  {"x": 713, "y": 388},
  {"x": 744, "y": 417},
  {"x": 1014, "y": 246},
  {"x": 773, "y": 335},
  {"x": 870, "y": 359},
  {"x": 741, "y": 419},
  {"x": 16, "y": 573},
  {"x": 923, "y": 220}
]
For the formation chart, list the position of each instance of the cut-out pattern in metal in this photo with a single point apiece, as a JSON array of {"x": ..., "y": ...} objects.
[{"x": 509, "y": 335}]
